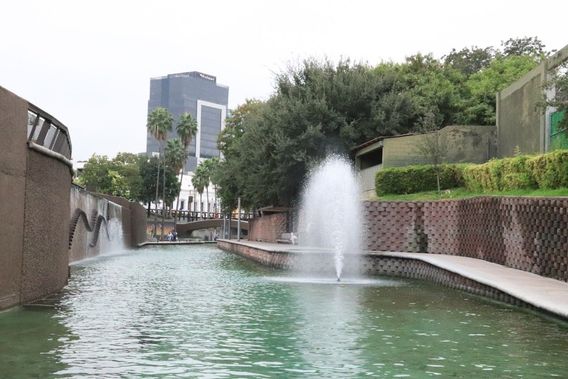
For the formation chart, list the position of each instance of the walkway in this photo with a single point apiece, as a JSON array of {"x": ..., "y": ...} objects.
[{"x": 544, "y": 293}]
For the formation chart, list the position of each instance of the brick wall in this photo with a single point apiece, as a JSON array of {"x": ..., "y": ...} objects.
[
  {"x": 529, "y": 234},
  {"x": 394, "y": 226},
  {"x": 267, "y": 228}
]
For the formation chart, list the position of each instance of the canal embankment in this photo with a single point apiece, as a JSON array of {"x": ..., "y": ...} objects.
[{"x": 472, "y": 275}]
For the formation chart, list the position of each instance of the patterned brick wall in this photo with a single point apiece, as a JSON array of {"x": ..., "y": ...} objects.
[
  {"x": 267, "y": 228},
  {"x": 529, "y": 234},
  {"x": 394, "y": 226}
]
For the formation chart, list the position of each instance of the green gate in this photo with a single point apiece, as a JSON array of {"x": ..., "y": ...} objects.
[{"x": 558, "y": 136}]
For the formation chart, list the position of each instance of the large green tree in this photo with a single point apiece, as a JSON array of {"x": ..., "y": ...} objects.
[
  {"x": 119, "y": 176},
  {"x": 469, "y": 60},
  {"x": 480, "y": 106},
  {"x": 149, "y": 180}
]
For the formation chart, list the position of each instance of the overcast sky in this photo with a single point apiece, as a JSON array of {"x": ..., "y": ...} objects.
[{"x": 89, "y": 63}]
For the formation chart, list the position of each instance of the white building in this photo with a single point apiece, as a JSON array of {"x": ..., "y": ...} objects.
[{"x": 191, "y": 200}]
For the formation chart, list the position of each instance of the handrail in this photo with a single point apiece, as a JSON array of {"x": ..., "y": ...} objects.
[
  {"x": 47, "y": 132},
  {"x": 198, "y": 215}
]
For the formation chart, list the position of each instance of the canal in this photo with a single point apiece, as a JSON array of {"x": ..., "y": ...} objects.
[{"x": 195, "y": 311}]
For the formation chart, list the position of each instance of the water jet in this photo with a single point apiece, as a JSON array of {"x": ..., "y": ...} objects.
[{"x": 330, "y": 215}]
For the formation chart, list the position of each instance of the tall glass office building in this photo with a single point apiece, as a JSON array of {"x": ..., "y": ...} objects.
[{"x": 198, "y": 94}]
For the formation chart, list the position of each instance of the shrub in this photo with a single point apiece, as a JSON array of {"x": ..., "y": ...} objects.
[
  {"x": 547, "y": 171},
  {"x": 412, "y": 179},
  {"x": 550, "y": 170},
  {"x": 499, "y": 175}
]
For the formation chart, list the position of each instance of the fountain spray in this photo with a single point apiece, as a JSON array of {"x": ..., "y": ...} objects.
[{"x": 330, "y": 213}]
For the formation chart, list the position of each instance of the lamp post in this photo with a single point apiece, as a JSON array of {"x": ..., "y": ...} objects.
[{"x": 239, "y": 219}]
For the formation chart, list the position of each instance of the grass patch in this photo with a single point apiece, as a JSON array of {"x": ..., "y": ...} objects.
[{"x": 462, "y": 193}]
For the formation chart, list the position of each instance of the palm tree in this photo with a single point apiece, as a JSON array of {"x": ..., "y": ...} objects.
[
  {"x": 199, "y": 184},
  {"x": 176, "y": 154},
  {"x": 209, "y": 174},
  {"x": 214, "y": 176},
  {"x": 159, "y": 124},
  {"x": 186, "y": 129}
]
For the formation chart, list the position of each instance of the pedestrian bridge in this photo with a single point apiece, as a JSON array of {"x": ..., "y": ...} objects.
[{"x": 188, "y": 227}]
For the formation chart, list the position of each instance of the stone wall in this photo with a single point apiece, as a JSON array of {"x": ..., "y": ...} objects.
[
  {"x": 34, "y": 205},
  {"x": 528, "y": 234},
  {"x": 267, "y": 228}
]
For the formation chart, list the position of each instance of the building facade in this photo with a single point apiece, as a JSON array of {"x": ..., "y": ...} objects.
[
  {"x": 465, "y": 144},
  {"x": 201, "y": 96}
]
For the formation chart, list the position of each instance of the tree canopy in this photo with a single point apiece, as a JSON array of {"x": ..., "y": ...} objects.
[
  {"x": 118, "y": 176},
  {"x": 319, "y": 108},
  {"x": 127, "y": 175}
]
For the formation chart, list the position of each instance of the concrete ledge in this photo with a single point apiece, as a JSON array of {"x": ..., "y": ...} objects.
[
  {"x": 544, "y": 293},
  {"x": 469, "y": 274},
  {"x": 169, "y": 243}
]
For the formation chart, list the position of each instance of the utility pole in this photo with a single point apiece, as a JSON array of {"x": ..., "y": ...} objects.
[
  {"x": 163, "y": 199},
  {"x": 157, "y": 194},
  {"x": 224, "y": 226}
]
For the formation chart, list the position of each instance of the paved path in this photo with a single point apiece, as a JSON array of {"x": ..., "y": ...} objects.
[{"x": 541, "y": 292}]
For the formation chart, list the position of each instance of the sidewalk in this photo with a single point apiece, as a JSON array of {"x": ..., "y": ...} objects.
[{"x": 544, "y": 293}]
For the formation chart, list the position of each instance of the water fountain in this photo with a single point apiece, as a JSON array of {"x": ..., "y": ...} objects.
[{"x": 330, "y": 215}]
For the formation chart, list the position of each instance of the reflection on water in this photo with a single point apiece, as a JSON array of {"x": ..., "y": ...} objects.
[{"x": 196, "y": 311}]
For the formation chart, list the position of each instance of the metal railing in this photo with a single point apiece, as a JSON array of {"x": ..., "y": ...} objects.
[
  {"x": 189, "y": 216},
  {"x": 45, "y": 131}
]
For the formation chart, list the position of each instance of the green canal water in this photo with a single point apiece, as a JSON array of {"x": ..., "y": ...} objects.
[{"x": 199, "y": 312}]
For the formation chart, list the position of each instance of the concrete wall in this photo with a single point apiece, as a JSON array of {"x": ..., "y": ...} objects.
[
  {"x": 367, "y": 181},
  {"x": 100, "y": 223},
  {"x": 13, "y": 117},
  {"x": 520, "y": 123},
  {"x": 34, "y": 224},
  {"x": 134, "y": 220},
  {"x": 472, "y": 144}
]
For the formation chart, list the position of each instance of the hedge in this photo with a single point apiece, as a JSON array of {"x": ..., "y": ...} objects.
[
  {"x": 499, "y": 175},
  {"x": 546, "y": 171},
  {"x": 550, "y": 171},
  {"x": 412, "y": 179}
]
